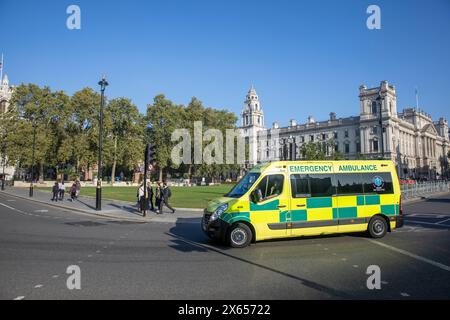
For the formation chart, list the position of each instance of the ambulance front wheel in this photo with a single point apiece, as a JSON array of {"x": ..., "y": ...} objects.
[
  {"x": 239, "y": 235},
  {"x": 377, "y": 227}
]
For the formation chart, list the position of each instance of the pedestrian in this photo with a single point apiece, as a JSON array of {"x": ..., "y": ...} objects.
[
  {"x": 150, "y": 196},
  {"x": 55, "y": 191},
  {"x": 140, "y": 198},
  {"x": 73, "y": 191},
  {"x": 77, "y": 194},
  {"x": 166, "y": 193},
  {"x": 62, "y": 190},
  {"x": 158, "y": 196}
]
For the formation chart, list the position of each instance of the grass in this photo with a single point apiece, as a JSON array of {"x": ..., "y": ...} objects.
[{"x": 182, "y": 197}]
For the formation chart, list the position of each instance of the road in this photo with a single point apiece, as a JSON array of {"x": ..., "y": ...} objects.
[{"x": 130, "y": 260}]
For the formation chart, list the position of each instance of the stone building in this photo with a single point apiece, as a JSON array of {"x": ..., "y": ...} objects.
[{"x": 417, "y": 144}]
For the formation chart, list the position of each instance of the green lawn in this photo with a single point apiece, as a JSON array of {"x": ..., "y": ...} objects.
[{"x": 182, "y": 197}]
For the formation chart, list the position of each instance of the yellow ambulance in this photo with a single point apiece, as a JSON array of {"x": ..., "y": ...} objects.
[{"x": 307, "y": 198}]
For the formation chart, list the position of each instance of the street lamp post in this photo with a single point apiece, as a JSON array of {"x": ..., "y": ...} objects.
[
  {"x": 33, "y": 159},
  {"x": 98, "y": 195}
]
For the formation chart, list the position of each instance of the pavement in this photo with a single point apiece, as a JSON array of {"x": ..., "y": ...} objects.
[
  {"x": 110, "y": 208},
  {"x": 123, "y": 259}
]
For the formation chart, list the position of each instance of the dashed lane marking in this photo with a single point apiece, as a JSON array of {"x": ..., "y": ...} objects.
[
  {"x": 38, "y": 286},
  {"x": 404, "y": 294},
  {"x": 19, "y": 298},
  {"x": 412, "y": 255}
]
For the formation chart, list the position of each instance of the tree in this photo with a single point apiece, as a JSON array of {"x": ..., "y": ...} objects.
[
  {"x": 127, "y": 133},
  {"x": 163, "y": 117},
  {"x": 82, "y": 127},
  {"x": 312, "y": 151},
  {"x": 34, "y": 106}
]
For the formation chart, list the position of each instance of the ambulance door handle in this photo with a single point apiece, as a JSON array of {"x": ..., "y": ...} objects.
[
  {"x": 301, "y": 205},
  {"x": 281, "y": 206}
]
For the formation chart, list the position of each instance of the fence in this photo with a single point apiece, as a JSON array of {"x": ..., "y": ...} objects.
[{"x": 424, "y": 188}]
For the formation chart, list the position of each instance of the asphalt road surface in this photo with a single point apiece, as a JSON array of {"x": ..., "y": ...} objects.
[{"x": 129, "y": 260}]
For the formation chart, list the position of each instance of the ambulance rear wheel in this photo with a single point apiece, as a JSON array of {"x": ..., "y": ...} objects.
[
  {"x": 239, "y": 235},
  {"x": 377, "y": 227}
]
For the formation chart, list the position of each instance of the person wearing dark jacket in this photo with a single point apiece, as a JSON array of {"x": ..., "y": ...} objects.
[
  {"x": 55, "y": 191},
  {"x": 165, "y": 195},
  {"x": 150, "y": 196}
]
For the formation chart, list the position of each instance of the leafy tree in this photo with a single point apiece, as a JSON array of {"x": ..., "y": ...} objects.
[
  {"x": 127, "y": 133},
  {"x": 163, "y": 117}
]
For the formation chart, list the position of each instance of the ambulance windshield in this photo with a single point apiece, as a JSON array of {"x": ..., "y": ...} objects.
[{"x": 243, "y": 185}]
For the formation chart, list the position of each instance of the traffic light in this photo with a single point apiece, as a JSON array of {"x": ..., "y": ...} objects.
[{"x": 150, "y": 154}]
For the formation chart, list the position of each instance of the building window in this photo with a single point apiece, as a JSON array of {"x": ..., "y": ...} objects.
[
  {"x": 374, "y": 130},
  {"x": 302, "y": 139},
  {"x": 335, "y": 135},
  {"x": 357, "y": 132},
  {"x": 346, "y": 133},
  {"x": 375, "y": 145},
  {"x": 358, "y": 146},
  {"x": 324, "y": 136},
  {"x": 336, "y": 147},
  {"x": 311, "y": 138},
  {"x": 347, "y": 148},
  {"x": 374, "y": 107}
]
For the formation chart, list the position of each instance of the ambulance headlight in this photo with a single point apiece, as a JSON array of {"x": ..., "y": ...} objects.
[{"x": 221, "y": 209}]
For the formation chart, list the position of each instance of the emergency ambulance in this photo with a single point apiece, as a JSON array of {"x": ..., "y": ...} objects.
[{"x": 307, "y": 198}]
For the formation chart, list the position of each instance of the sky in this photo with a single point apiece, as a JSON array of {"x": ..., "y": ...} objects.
[{"x": 303, "y": 57}]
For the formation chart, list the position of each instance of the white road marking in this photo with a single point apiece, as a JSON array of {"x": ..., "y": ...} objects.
[
  {"x": 325, "y": 249},
  {"x": 412, "y": 255},
  {"x": 11, "y": 200},
  {"x": 98, "y": 251},
  {"x": 38, "y": 286},
  {"x": 404, "y": 294},
  {"x": 90, "y": 256},
  {"x": 11, "y": 208},
  {"x": 41, "y": 211},
  {"x": 19, "y": 298},
  {"x": 443, "y": 221},
  {"x": 55, "y": 276},
  {"x": 344, "y": 259},
  {"x": 355, "y": 266}
]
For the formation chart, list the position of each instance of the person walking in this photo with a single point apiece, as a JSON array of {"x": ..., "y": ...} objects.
[
  {"x": 158, "y": 197},
  {"x": 55, "y": 191},
  {"x": 150, "y": 196},
  {"x": 141, "y": 199},
  {"x": 73, "y": 191},
  {"x": 166, "y": 193},
  {"x": 62, "y": 191},
  {"x": 78, "y": 188}
]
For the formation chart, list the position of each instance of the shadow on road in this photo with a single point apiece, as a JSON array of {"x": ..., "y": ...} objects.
[
  {"x": 188, "y": 237},
  {"x": 129, "y": 209},
  {"x": 438, "y": 200}
]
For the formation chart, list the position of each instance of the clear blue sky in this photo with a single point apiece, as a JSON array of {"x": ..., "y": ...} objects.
[{"x": 303, "y": 57}]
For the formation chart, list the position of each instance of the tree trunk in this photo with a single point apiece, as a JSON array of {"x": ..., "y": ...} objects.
[
  {"x": 113, "y": 170},
  {"x": 160, "y": 174},
  {"x": 41, "y": 172}
]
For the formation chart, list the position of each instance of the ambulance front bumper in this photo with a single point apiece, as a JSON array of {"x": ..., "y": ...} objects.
[{"x": 216, "y": 229}]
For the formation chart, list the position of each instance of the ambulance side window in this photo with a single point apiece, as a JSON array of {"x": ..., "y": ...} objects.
[{"x": 270, "y": 187}]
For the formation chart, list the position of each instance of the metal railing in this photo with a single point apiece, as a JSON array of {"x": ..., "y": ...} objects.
[{"x": 423, "y": 189}]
